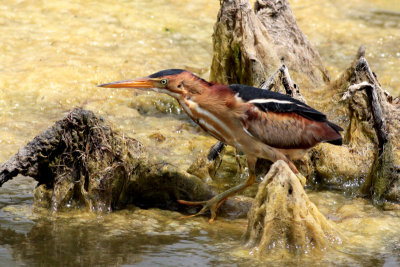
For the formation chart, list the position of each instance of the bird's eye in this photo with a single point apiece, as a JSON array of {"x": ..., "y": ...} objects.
[{"x": 164, "y": 81}]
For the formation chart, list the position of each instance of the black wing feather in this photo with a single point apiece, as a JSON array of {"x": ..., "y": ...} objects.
[{"x": 248, "y": 93}]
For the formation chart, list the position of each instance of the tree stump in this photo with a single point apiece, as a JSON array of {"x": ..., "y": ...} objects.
[
  {"x": 370, "y": 118},
  {"x": 283, "y": 217},
  {"x": 250, "y": 44},
  {"x": 380, "y": 119},
  {"x": 80, "y": 162}
]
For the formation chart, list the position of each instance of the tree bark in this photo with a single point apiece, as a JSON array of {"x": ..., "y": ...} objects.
[
  {"x": 283, "y": 217},
  {"x": 81, "y": 162},
  {"x": 383, "y": 178},
  {"x": 249, "y": 44}
]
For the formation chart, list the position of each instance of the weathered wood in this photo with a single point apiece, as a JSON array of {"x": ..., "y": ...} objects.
[
  {"x": 281, "y": 77},
  {"x": 272, "y": 81},
  {"x": 33, "y": 159},
  {"x": 377, "y": 98},
  {"x": 383, "y": 177},
  {"x": 250, "y": 44},
  {"x": 291, "y": 88},
  {"x": 283, "y": 217},
  {"x": 376, "y": 110},
  {"x": 81, "y": 162}
]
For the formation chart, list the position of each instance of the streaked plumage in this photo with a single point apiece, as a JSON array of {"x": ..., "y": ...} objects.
[{"x": 260, "y": 123}]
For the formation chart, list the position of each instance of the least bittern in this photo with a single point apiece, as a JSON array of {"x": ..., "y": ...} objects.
[{"x": 257, "y": 122}]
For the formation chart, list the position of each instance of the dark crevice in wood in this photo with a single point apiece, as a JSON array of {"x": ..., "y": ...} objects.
[{"x": 362, "y": 69}]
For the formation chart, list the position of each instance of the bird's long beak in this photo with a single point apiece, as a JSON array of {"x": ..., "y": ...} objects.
[{"x": 141, "y": 83}]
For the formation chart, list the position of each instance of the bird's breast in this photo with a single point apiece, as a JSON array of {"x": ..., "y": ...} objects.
[{"x": 216, "y": 122}]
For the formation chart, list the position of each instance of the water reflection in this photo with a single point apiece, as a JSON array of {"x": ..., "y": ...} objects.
[
  {"x": 126, "y": 237},
  {"x": 155, "y": 237}
]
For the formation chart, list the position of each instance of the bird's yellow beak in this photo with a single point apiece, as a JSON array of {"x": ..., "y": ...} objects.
[{"x": 141, "y": 83}]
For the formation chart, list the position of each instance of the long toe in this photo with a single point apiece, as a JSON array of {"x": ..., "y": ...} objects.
[
  {"x": 191, "y": 203},
  {"x": 202, "y": 211},
  {"x": 212, "y": 205}
]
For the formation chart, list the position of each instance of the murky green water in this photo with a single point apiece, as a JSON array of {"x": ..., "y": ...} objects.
[{"x": 53, "y": 53}]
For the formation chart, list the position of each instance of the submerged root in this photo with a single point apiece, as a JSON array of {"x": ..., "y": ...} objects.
[
  {"x": 367, "y": 161},
  {"x": 282, "y": 216}
]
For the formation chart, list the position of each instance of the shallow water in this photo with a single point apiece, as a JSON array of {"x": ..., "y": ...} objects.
[{"x": 52, "y": 54}]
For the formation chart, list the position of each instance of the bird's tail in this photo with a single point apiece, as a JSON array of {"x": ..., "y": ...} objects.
[{"x": 337, "y": 129}]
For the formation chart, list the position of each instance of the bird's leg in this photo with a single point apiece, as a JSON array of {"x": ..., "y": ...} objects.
[
  {"x": 277, "y": 154},
  {"x": 214, "y": 203}
]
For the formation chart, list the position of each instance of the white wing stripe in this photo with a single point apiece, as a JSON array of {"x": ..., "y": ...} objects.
[{"x": 264, "y": 101}]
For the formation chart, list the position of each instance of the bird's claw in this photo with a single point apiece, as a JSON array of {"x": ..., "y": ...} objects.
[{"x": 212, "y": 205}]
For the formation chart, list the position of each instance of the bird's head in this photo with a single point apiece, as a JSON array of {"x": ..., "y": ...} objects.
[{"x": 174, "y": 82}]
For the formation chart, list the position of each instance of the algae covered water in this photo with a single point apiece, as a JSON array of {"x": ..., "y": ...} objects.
[{"x": 54, "y": 53}]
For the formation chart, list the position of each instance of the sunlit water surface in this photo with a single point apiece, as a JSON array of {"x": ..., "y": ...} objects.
[{"x": 54, "y": 53}]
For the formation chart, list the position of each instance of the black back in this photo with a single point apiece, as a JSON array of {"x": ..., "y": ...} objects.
[{"x": 278, "y": 102}]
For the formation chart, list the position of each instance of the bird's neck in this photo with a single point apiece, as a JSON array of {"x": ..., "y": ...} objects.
[{"x": 214, "y": 110}]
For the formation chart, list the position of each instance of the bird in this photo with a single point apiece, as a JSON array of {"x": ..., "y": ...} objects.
[{"x": 259, "y": 123}]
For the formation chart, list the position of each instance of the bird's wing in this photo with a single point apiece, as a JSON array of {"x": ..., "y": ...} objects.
[
  {"x": 286, "y": 130},
  {"x": 271, "y": 101},
  {"x": 283, "y": 122}
]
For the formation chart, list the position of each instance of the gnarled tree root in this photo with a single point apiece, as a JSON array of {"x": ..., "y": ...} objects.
[{"x": 81, "y": 162}]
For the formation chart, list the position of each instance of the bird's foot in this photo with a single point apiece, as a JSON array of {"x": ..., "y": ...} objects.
[
  {"x": 212, "y": 205},
  {"x": 302, "y": 178}
]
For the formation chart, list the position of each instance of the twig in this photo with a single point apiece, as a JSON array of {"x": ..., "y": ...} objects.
[
  {"x": 291, "y": 88},
  {"x": 271, "y": 81}
]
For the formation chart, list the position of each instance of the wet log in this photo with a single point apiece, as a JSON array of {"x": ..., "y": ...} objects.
[
  {"x": 250, "y": 44},
  {"x": 283, "y": 217},
  {"x": 81, "y": 162}
]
